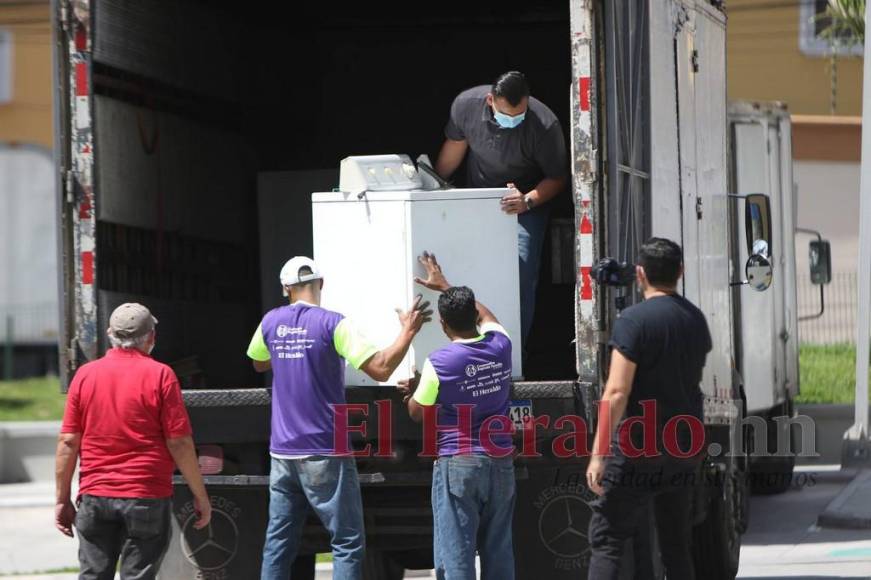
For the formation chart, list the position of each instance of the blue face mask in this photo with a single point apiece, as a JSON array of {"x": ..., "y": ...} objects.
[{"x": 508, "y": 121}]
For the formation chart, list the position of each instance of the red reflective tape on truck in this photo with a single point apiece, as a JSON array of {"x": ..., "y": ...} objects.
[
  {"x": 584, "y": 86},
  {"x": 81, "y": 38},
  {"x": 586, "y": 283},
  {"x": 81, "y": 79},
  {"x": 586, "y": 224},
  {"x": 85, "y": 207},
  {"x": 87, "y": 267}
]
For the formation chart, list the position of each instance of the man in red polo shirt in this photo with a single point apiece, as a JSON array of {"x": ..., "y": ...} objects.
[{"x": 126, "y": 420}]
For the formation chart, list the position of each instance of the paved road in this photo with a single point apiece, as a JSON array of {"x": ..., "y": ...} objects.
[{"x": 783, "y": 541}]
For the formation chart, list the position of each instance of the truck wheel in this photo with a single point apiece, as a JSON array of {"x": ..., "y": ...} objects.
[
  {"x": 717, "y": 540},
  {"x": 378, "y": 565},
  {"x": 773, "y": 475}
]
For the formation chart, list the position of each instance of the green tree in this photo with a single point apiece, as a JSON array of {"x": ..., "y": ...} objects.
[
  {"x": 845, "y": 22},
  {"x": 843, "y": 26}
]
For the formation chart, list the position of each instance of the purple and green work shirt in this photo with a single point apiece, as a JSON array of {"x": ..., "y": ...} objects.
[
  {"x": 473, "y": 372},
  {"x": 307, "y": 345}
]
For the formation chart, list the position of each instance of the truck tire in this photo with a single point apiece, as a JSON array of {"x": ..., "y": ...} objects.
[
  {"x": 717, "y": 539},
  {"x": 773, "y": 475},
  {"x": 378, "y": 565}
]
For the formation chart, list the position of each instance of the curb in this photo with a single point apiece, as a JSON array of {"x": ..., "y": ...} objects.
[{"x": 852, "y": 508}]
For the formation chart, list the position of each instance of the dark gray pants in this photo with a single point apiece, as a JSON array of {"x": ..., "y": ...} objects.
[
  {"x": 136, "y": 530},
  {"x": 630, "y": 487}
]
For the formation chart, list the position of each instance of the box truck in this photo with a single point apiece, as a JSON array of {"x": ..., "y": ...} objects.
[{"x": 192, "y": 134}]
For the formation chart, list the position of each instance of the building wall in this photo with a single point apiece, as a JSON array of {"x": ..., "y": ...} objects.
[
  {"x": 765, "y": 63},
  {"x": 28, "y": 117},
  {"x": 828, "y": 201},
  {"x": 826, "y": 152}
]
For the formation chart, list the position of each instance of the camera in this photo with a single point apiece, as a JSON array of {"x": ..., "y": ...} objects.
[{"x": 610, "y": 272}]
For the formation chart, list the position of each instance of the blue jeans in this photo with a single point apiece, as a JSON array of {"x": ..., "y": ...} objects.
[
  {"x": 473, "y": 508},
  {"x": 331, "y": 487},
  {"x": 531, "y": 227}
]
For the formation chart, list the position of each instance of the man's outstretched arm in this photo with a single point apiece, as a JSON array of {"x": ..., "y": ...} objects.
[
  {"x": 436, "y": 281},
  {"x": 450, "y": 157},
  {"x": 380, "y": 364}
]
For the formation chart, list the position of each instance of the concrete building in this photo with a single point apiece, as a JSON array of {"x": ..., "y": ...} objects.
[{"x": 28, "y": 226}]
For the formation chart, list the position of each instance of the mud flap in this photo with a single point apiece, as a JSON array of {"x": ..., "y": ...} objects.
[
  {"x": 231, "y": 546},
  {"x": 551, "y": 518}
]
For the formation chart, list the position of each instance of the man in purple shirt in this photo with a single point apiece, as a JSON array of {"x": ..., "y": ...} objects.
[
  {"x": 469, "y": 382},
  {"x": 306, "y": 347}
]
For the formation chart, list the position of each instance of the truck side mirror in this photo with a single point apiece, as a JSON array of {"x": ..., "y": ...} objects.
[
  {"x": 820, "y": 260},
  {"x": 757, "y": 225}
]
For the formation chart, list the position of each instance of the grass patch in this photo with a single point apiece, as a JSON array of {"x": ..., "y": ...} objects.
[
  {"x": 828, "y": 373},
  {"x": 324, "y": 558},
  {"x": 47, "y": 572},
  {"x": 31, "y": 400}
]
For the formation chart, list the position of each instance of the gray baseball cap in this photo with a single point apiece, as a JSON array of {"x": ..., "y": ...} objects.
[{"x": 131, "y": 320}]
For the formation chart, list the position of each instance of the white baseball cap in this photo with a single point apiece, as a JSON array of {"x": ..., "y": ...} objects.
[{"x": 290, "y": 271}]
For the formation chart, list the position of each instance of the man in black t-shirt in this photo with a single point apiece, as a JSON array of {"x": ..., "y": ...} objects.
[{"x": 658, "y": 354}]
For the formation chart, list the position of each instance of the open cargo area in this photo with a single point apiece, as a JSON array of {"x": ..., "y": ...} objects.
[{"x": 200, "y": 106}]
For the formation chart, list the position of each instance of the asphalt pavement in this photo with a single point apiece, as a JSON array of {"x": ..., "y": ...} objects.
[{"x": 782, "y": 542}]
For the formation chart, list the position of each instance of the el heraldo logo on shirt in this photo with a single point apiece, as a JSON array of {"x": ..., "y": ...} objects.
[{"x": 292, "y": 342}]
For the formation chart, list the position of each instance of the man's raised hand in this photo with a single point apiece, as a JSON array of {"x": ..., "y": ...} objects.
[
  {"x": 435, "y": 279},
  {"x": 408, "y": 386},
  {"x": 416, "y": 317}
]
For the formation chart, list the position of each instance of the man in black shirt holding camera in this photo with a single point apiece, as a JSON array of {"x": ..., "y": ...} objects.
[{"x": 658, "y": 352}]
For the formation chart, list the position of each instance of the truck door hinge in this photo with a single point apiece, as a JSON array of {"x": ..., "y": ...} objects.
[
  {"x": 64, "y": 15},
  {"x": 69, "y": 184},
  {"x": 698, "y": 208},
  {"x": 694, "y": 59},
  {"x": 71, "y": 355}
]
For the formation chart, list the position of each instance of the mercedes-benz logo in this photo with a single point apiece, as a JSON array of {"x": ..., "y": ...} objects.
[
  {"x": 214, "y": 546},
  {"x": 560, "y": 526}
]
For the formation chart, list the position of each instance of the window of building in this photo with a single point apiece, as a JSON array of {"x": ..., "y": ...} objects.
[
  {"x": 5, "y": 66},
  {"x": 811, "y": 25}
]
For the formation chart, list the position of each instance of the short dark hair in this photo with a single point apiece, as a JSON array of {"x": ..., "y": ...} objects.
[
  {"x": 662, "y": 260},
  {"x": 511, "y": 86},
  {"x": 457, "y": 308}
]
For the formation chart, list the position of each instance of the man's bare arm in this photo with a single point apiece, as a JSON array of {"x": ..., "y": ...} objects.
[
  {"x": 67, "y": 454},
  {"x": 261, "y": 366},
  {"x": 185, "y": 456},
  {"x": 384, "y": 362},
  {"x": 546, "y": 190},
  {"x": 611, "y": 410},
  {"x": 450, "y": 157},
  {"x": 415, "y": 410},
  {"x": 615, "y": 397}
]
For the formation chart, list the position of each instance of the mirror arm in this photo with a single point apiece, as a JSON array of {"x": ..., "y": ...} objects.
[
  {"x": 822, "y": 286},
  {"x": 742, "y": 195}
]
